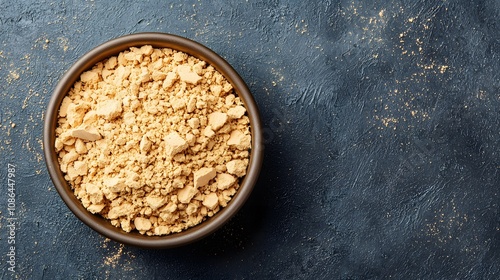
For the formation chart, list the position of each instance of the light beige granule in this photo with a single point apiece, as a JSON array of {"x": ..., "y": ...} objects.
[{"x": 154, "y": 140}]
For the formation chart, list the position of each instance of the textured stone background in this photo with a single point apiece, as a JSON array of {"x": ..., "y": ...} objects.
[{"x": 382, "y": 141}]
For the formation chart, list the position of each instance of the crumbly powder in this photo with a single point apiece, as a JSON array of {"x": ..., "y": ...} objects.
[{"x": 153, "y": 139}]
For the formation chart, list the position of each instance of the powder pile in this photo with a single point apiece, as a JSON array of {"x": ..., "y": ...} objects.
[{"x": 154, "y": 140}]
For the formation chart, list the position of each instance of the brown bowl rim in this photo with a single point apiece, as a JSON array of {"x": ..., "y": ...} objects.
[{"x": 160, "y": 40}]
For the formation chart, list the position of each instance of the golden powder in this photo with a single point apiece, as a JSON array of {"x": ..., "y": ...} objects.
[{"x": 154, "y": 140}]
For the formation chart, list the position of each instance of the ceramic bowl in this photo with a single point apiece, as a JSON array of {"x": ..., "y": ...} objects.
[{"x": 103, "y": 226}]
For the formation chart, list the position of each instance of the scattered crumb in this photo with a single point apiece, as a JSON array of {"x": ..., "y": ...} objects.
[
  {"x": 13, "y": 75},
  {"x": 114, "y": 258}
]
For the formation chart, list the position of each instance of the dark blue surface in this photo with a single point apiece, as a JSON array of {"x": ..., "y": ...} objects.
[{"x": 382, "y": 126}]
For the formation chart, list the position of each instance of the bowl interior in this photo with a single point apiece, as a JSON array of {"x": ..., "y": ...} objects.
[{"x": 158, "y": 40}]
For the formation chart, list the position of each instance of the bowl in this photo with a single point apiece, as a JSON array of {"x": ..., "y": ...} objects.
[{"x": 97, "y": 222}]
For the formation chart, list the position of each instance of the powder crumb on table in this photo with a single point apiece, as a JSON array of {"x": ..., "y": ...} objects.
[{"x": 154, "y": 140}]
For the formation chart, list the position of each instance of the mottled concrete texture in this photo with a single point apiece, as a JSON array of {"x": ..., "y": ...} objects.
[{"x": 382, "y": 140}]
